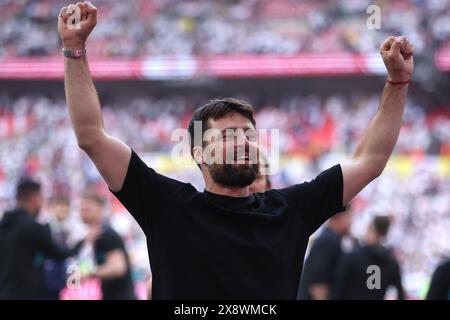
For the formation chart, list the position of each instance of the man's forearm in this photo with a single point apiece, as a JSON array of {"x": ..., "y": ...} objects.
[
  {"x": 109, "y": 272},
  {"x": 378, "y": 141},
  {"x": 82, "y": 100},
  {"x": 115, "y": 266}
]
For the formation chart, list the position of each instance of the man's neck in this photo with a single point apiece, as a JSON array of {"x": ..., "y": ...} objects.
[{"x": 228, "y": 191}]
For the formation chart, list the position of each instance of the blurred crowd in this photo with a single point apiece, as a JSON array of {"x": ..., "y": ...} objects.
[
  {"x": 202, "y": 27},
  {"x": 36, "y": 140}
]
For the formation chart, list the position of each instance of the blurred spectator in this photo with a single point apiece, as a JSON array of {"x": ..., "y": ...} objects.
[
  {"x": 262, "y": 181},
  {"x": 354, "y": 273},
  {"x": 320, "y": 268},
  {"x": 62, "y": 229},
  {"x": 113, "y": 265},
  {"x": 24, "y": 244},
  {"x": 440, "y": 283}
]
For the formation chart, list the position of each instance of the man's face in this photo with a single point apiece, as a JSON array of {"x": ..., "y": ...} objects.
[
  {"x": 60, "y": 210},
  {"x": 35, "y": 203},
  {"x": 90, "y": 211},
  {"x": 230, "y": 153}
]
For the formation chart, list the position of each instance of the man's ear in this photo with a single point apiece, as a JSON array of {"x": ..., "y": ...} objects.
[{"x": 198, "y": 154}]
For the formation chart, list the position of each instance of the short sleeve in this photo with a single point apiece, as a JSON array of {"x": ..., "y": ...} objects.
[
  {"x": 109, "y": 242},
  {"x": 145, "y": 193},
  {"x": 318, "y": 199}
]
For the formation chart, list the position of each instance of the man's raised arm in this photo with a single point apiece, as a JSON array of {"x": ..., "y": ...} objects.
[
  {"x": 111, "y": 156},
  {"x": 378, "y": 141}
]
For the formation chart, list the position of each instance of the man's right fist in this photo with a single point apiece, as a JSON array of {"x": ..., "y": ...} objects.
[{"x": 75, "y": 23}]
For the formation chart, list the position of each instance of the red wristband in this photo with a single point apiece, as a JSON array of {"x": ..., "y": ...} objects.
[{"x": 399, "y": 82}]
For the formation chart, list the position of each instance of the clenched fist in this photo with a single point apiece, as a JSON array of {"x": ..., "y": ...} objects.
[
  {"x": 75, "y": 23},
  {"x": 397, "y": 53}
]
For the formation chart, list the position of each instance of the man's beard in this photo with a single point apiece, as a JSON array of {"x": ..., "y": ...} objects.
[{"x": 240, "y": 175}]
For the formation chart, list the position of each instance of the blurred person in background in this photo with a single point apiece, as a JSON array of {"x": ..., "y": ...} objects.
[
  {"x": 113, "y": 265},
  {"x": 24, "y": 244},
  {"x": 319, "y": 271},
  {"x": 262, "y": 182},
  {"x": 62, "y": 230},
  {"x": 440, "y": 282},
  {"x": 351, "y": 281}
]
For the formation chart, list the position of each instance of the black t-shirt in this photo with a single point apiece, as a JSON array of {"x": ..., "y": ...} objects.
[
  {"x": 207, "y": 246},
  {"x": 321, "y": 264},
  {"x": 120, "y": 288},
  {"x": 440, "y": 283}
]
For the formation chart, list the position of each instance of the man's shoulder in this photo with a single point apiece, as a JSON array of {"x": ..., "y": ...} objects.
[
  {"x": 26, "y": 226},
  {"x": 108, "y": 237},
  {"x": 294, "y": 191},
  {"x": 21, "y": 217},
  {"x": 141, "y": 178},
  {"x": 328, "y": 238},
  {"x": 151, "y": 173},
  {"x": 108, "y": 232}
]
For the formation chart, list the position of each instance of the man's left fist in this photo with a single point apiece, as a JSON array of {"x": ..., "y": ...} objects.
[{"x": 397, "y": 54}]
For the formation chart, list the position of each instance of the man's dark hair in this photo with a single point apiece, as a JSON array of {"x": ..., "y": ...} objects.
[
  {"x": 216, "y": 109},
  {"x": 27, "y": 188},
  {"x": 381, "y": 225}
]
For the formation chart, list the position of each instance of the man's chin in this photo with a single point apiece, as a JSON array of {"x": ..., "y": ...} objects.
[
  {"x": 235, "y": 175},
  {"x": 242, "y": 166}
]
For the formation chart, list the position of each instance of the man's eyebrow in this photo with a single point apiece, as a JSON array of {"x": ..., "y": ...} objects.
[{"x": 234, "y": 128}]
